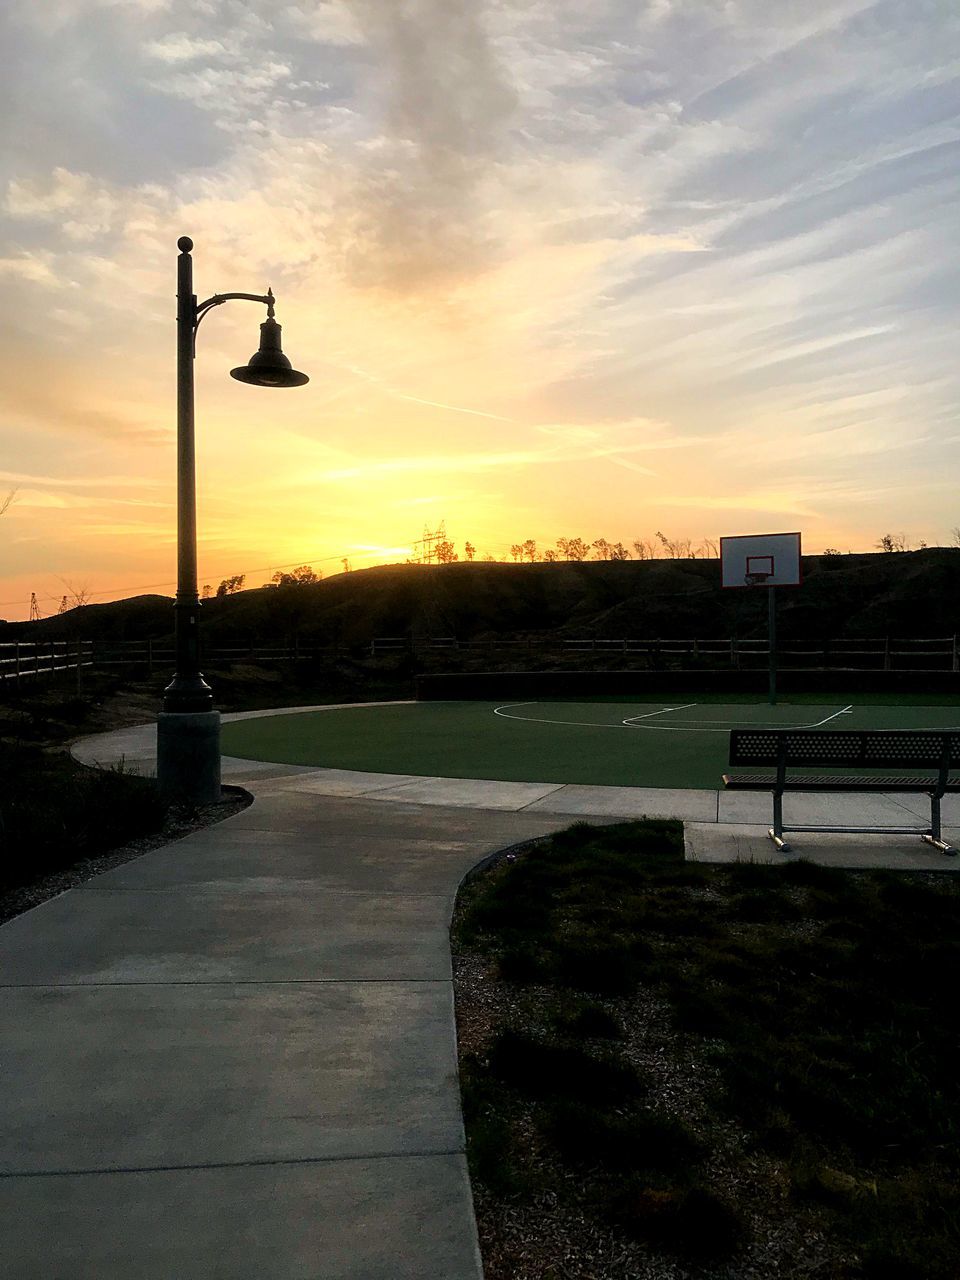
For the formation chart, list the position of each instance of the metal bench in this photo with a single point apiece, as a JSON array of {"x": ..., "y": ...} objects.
[{"x": 786, "y": 753}]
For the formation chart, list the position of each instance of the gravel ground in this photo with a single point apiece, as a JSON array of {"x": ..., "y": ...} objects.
[
  {"x": 178, "y": 824},
  {"x": 547, "y": 1238}
]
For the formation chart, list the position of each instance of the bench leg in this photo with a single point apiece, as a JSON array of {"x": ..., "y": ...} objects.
[
  {"x": 934, "y": 836},
  {"x": 776, "y": 831}
]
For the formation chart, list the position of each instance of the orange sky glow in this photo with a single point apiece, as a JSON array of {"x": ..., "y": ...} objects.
[{"x": 553, "y": 271}]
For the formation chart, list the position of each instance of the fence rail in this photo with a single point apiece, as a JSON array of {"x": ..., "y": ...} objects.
[
  {"x": 884, "y": 653},
  {"x": 26, "y": 661}
]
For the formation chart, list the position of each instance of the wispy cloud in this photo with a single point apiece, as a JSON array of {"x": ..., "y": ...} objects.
[{"x": 556, "y": 246}]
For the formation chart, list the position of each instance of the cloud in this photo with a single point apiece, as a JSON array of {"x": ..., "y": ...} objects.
[
  {"x": 32, "y": 267},
  {"x": 179, "y": 47},
  {"x": 442, "y": 105},
  {"x": 75, "y": 202}
]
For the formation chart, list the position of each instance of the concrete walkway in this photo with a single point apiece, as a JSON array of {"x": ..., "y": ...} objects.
[{"x": 235, "y": 1056}]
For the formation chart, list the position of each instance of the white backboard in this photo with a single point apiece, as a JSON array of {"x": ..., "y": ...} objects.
[{"x": 775, "y": 554}]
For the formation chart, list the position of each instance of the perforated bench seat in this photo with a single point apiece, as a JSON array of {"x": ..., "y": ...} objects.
[
  {"x": 780, "y": 750},
  {"x": 836, "y": 782}
]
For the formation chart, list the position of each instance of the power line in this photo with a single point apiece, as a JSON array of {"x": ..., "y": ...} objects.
[
  {"x": 117, "y": 592},
  {"x": 172, "y": 582}
]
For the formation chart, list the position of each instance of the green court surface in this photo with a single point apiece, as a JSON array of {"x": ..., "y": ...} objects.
[{"x": 679, "y": 743}]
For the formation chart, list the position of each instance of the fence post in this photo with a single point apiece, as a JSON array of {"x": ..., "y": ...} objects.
[
  {"x": 16, "y": 666},
  {"x": 150, "y": 657},
  {"x": 955, "y": 661},
  {"x": 79, "y": 668},
  {"x": 886, "y": 653}
]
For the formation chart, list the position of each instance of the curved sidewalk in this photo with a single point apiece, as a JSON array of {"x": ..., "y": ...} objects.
[{"x": 235, "y": 1056}]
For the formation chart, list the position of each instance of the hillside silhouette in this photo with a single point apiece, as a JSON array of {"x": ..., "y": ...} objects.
[{"x": 909, "y": 594}]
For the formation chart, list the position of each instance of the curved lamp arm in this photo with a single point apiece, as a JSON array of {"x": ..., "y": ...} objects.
[{"x": 218, "y": 299}]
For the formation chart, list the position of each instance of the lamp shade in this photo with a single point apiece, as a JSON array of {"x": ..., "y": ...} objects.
[{"x": 269, "y": 367}]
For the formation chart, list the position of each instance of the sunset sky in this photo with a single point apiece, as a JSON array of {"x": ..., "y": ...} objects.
[{"x": 555, "y": 268}]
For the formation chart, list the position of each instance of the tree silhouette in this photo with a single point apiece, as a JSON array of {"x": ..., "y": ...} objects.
[
  {"x": 302, "y": 576},
  {"x": 893, "y": 542},
  {"x": 230, "y": 586},
  {"x": 677, "y": 548},
  {"x": 469, "y": 550},
  {"x": 445, "y": 553},
  {"x": 573, "y": 548}
]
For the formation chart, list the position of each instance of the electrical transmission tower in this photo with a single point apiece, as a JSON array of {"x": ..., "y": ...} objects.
[
  {"x": 428, "y": 543},
  {"x": 34, "y": 607}
]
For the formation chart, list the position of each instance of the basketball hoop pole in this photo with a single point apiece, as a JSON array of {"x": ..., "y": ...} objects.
[{"x": 772, "y": 641}]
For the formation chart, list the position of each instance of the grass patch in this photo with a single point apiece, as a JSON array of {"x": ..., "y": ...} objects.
[
  {"x": 821, "y": 1004},
  {"x": 54, "y": 812}
]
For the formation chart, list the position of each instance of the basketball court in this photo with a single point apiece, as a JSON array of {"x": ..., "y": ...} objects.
[{"x": 681, "y": 743}]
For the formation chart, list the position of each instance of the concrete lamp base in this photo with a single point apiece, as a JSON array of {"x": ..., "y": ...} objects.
[{"x": 188, "y": 756}]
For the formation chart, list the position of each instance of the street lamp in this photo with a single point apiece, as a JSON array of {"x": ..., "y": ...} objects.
[{"x": 188, "y": 728}]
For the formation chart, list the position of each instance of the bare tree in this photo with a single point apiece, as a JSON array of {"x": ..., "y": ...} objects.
[
  {"x": 469, "y": 550},
  {"x": 445, "y": 553},
  {"x": 516, "y": 550},
  {"x": 550, "y": 556},
  {"x": 602, "y": 548},
  {"x": 530, "y": 550},
  {"x": 710, "y": 549},
  {"x": 573, "y": 548},
  {"x": 7, "y": 501},
  {"x": 893, "y": 542},
  {"x": 677, "y": 548},
  {"x": 619, "y": 552}
]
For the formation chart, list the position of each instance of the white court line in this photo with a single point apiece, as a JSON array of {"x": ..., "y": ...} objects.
[
  {"x": 842, "y": 712},
  {"x": 580, "y": 724},
  {"x": 661, "y": 728},
  {"x": 633, "y": 719}
]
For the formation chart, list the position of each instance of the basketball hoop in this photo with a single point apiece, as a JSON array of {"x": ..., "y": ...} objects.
[{"x": 757, "y": 579}]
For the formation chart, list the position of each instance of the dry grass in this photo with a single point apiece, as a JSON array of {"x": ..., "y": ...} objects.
[{"x": 678, "y": 1071}]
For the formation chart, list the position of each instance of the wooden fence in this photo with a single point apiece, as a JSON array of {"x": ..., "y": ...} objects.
[
  {"x": 885, "y": 653},
  {"x": 24, "y": 661}
]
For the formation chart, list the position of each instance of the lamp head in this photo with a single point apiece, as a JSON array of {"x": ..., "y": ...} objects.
[{"x": 269, "y": 367}]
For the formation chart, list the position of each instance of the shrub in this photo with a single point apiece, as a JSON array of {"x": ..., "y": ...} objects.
[
  {"x": 54, "y": 812},
  {"x": 589, "y": 1135},
  {"x": 539, "y": 1068},
  {"x": 587, "y": 1020}
]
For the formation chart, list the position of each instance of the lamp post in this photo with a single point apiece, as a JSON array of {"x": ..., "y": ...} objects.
[{"x": 188, "y": 727}]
